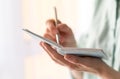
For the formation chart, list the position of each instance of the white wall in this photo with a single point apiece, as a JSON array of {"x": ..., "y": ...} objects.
[{"x": 12, "y": 47}]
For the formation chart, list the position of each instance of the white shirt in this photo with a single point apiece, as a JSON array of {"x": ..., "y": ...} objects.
[{"x": 104, "y": 32}]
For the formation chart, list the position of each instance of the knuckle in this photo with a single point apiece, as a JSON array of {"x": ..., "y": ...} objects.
[
  {"x": 72, "y": 67},
  {"x": 50, "y": 21},
  {"x": 64, "y": 27},
  {"x": 59, "y": 22},
  {"x": 47, "y": 30},
  {"x": 45, "y": 35},
  {"x": 76, "y": 60},
  {"x": 55, "y": 59}
]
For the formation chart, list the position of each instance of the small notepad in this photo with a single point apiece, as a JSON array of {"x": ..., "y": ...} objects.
[{"x": 69, "y": 50}]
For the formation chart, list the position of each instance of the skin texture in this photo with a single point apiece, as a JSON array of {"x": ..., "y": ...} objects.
[{"x": 76, "y": 64}]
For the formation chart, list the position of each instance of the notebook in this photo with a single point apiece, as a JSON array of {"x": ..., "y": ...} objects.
[{"x": 69, "y": 50}]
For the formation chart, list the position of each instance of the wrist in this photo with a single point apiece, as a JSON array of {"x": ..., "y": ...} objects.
[
  {"x": 77, "y": 74},
  {"x": 108, "y": 73}
]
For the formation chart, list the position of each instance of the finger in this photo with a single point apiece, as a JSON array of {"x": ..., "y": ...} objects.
[
  {"x": 51, "y": 26},
  {"x": 52, "y": 34},
  {"x": 53, "y": 54},
  {"x": 78, "y": 61},
  {"x": 74, "y": 59},
  {"x": 50, "y": 54},
  {"x": 51, "y": 37},
  {"x": 52, "y": 21},
  {"x": 84, "y": 61},
  {"x": 57, "y": 57}
]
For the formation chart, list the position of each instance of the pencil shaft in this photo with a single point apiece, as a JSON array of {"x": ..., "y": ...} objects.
[
  {"x": 56, "y": 23},
  {"x": 56, "y": 18}
]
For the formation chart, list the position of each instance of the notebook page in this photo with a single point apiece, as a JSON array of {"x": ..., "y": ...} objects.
[{"x": 36, "y": 36}]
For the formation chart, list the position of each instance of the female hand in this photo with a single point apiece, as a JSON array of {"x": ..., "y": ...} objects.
[
  {"x": 93, "y": 65},
  {"x": 88, "y": 64},
  {"x": 66, "y": 39}
]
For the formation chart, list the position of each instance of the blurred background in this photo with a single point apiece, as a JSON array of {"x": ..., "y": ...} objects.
[{"x": 21, "y": 57}]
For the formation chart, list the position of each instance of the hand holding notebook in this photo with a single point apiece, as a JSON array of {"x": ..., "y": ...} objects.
[{"x": 69, "y": 50}]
